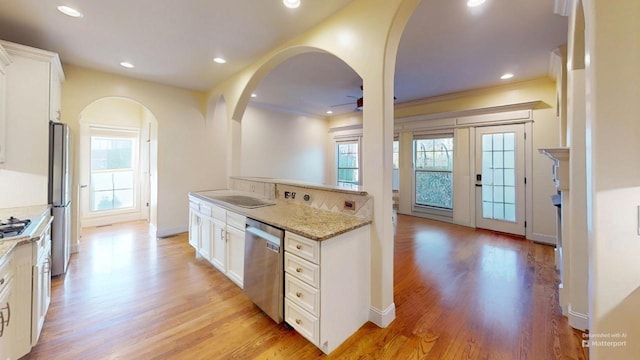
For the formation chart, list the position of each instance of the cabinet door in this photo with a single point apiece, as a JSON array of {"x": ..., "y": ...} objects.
[
  {"x": 39, "y": 299},
  {"x": 7, "y": 336},
  {"x": 235, "y": 252},
  {"x": 206, "y": 238},
  {"x": 55, "y": 94},
  {"x": 219, "y": 246},
  {"x": 194, "y": 229}
]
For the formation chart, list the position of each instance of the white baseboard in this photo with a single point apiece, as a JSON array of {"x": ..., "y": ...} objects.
[
  {"x": 160, "y": 233},
  {"x": 382, "y": 318},
  {"x": 578, "y": 320},
  {"x": 543, "y": 239},
  {"x": 153, "y": 230}
]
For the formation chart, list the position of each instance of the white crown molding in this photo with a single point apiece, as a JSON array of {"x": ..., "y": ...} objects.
[
  {"x": 5, "y": 60},
  {"x": 34, "y": 53},
  {"x": 562, "y": 7}
]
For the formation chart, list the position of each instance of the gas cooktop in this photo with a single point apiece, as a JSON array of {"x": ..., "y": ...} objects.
[{"x": 13, "y": 227}]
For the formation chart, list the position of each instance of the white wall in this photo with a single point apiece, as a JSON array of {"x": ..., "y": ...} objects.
[{"x": 283, "y": 145}]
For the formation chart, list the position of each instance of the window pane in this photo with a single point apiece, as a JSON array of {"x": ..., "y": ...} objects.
[
  {"x": 101, "y": 200},
  {"x": 498, "y": 142},
  {"x": 509, "y": 141},
  {"x": 123, "y": 180},
  {"x": 396, "y": 154},
  {"x": 510, "y": 194},
  {"x": 108, "y": 153},
  {"x": 122, "y": 199},
  {"x": 434, "y": 189},
  {"x": 347, "y": 168},
  {"x": 101, "y": 181},
  {"x": 434, "y": 154}
]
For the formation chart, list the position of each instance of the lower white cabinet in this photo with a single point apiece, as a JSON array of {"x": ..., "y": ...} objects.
[
  {"x": 219, "y": 240},
  {"x": 41, "y": 283},
  {"x": 218, "y": 236},
  {"x": 7, "y": 303},
  {"x": 235, "y": 255},
  {"x": 327, "y": 286}
]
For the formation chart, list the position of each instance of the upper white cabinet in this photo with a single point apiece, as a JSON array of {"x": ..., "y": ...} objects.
[
  {"x": 33, "y": 96},
  {"x": 4, "y": 62}
]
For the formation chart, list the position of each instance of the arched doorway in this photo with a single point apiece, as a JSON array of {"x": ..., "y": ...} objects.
[{"x": 117, "y": 162}]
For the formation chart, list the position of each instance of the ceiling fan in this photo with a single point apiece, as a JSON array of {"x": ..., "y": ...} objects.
[{"x": 359, "y": 102}]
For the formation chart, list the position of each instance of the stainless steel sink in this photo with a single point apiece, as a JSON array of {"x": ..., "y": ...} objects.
[{"x": 244, "y": 201}]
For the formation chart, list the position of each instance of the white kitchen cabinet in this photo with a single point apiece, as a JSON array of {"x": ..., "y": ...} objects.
[
  {"x": 194, "y": 224},
  {"x": 21, "y": 312},
  {"x": 219, "y": 239},
  {"x": 7, "y": 304},
  {"x": 327, "y": 286},
  {"x": 29, "y": 104},
  {"x": 218, "y": 235},
  {"x": 4, "y": 62},
  {"x": 235, "y": 255},
  {"x": 41, "y": 283}
]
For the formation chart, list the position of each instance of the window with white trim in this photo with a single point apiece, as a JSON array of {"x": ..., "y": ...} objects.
[
  {"x": 348, "y": 161},
  {"x": 113, "y": 170},
  {"x": 433, "y": 171}
]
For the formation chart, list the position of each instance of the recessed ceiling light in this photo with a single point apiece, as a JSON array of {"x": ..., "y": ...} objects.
[
  {"x": 69, "y": 11},
  {"x": 291, "y": 4},
  {"x": 253, "y": 95},
  {"x": 474, "y": 3},
  {"x": 329, "y": 112},
  {"x": 506, "y": 76},
  {"x": 127, "y": 64},
  {"x": 219, "y": 60}
]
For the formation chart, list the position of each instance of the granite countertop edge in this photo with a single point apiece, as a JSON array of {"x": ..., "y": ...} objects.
[
  {"x": 293, "y": 217},
  {"x": 7, "y": 246}
]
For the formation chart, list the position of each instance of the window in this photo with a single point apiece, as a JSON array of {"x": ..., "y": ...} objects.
[
  {"x": 348, "y": 164},
  {"x": 113, "y": 169},
  {"x": 396, "y": 165},
  {"x": 433, "y": 159}
]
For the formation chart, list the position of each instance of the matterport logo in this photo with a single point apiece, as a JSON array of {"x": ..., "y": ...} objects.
[{"x": 604, "y": 340}]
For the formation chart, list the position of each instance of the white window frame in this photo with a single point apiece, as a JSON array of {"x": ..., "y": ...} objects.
[
  {"x": 345, "y": 141},
  {"x": 438, "y": 213},
  {"x": 117, "y": 133}
]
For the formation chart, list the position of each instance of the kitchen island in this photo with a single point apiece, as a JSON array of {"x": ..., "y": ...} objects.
[{"x": 325, "y": 251}]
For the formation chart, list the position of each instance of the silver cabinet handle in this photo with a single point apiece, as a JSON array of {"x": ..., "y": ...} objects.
[
  {"x": 4, "y": 323},
  {"x": 47, "y": 269}
]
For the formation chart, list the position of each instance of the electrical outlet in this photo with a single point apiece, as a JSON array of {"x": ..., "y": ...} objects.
[{"x": 350, "y": 205}]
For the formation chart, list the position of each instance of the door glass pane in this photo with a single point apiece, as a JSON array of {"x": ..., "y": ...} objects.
[{"x": 498, "y": 176}]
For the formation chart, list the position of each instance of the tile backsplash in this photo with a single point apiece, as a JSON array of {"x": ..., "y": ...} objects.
[{"x": 330, "y": 200}]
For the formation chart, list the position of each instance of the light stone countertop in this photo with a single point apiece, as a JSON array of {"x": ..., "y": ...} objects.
[
  {"x": 38, "y": 214},
  {"x": 312, "y": 223}
]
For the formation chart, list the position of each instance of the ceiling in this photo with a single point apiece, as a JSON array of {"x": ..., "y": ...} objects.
[{"x": 446, "y": 46}]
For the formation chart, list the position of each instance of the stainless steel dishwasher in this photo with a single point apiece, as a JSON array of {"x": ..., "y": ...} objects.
[{"x": 263, "y": 273}]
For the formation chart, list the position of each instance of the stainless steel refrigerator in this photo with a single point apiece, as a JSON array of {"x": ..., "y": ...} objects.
[{"x": 60, "y": 196}]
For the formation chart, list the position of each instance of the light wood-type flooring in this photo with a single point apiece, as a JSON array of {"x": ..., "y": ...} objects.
[{"x": 460, "y": 293}]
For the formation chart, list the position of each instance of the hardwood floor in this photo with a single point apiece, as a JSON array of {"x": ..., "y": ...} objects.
[{"x": 460, "y": 293}]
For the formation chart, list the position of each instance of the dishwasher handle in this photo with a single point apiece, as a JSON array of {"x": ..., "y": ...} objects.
[{"x": 272, "y": 240}]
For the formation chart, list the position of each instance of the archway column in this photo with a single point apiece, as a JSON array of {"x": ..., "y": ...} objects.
[{"x": 377, "y": 164}]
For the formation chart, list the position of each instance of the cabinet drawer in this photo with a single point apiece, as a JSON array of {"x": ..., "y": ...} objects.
[
  {"x": 195, "y": 206},
  {"x": 236, "y": 220},
  {"x": 304, "y": 323},
  {"x": 302, "y": 269},
  {"x": 302, "y": 294},
  {"x": 303, "y": 247},
  {"x": 213, "y": 211}
]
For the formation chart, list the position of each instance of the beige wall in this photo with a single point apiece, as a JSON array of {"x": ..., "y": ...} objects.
[
  {"x": 613, "y": 174},
  {"x": 187, "y": 156},
  {"x": 283, "y": 145}
]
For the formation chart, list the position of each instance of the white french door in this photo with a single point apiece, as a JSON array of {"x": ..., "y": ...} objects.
[{"x": 500, "y": 178}]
